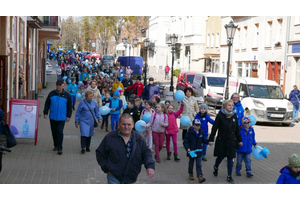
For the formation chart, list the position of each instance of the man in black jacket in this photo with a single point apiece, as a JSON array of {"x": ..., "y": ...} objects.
[
  {"x": 126, "y": 83},
  {"x": 122, "y": 153}
]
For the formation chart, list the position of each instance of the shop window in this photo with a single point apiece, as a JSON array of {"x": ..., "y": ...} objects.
[{"x": 240, "y": 69}]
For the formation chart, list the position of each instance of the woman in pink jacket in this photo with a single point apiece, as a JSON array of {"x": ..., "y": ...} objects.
[{"x": 172, "y": 130}]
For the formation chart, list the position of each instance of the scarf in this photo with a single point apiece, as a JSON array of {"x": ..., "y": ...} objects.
[
  {"x": 93, "y": 90},
  {"x": 228, "y": 114}
]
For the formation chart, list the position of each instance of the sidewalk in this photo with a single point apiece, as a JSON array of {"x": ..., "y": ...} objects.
[{"x": 29, "y": 164}]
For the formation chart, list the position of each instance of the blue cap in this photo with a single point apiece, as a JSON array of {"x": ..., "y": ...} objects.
[{"x": 116, "y": 93}]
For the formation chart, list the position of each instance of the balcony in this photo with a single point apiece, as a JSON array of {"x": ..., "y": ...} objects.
[{"x": 50, "y": 27}]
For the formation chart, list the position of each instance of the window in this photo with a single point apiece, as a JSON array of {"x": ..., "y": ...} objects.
[
  {"x": 255, "y": 36},
  {"x": 245, "y": 37},
  {"x": 212, "y": 42},
  {"x": 223, "y": 67},
  {"x": 248, "y": 69},
  {"x": 216, "y": 81},
  {"x": 203, "y": 82},
  {"x": 243, "y": 89},
  {"x": 207, "y": 40},
  {"x": 237, "y": 44},
  {"x": 217, "y": 41},
  {"x": 240, "y": 69},
  {"x": 269, "y": 34},
  {"x": 279, "y": 31},
  {"x": 265, "y": 91}
]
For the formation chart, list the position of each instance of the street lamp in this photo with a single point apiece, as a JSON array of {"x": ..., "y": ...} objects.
[
  {"x": 230, "y": 31},
  {"x": 135, "y": 41},
  {"x": 173, "y": 43},
  {"x": 146, "y": 45},
  {"x": 124, "y": 40}
]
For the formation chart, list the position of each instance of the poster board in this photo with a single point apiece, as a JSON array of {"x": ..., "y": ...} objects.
[{"x": 24, "y": 118}]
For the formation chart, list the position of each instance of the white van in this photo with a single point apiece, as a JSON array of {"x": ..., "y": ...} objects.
[
  {"x": 263, "y": 99},
  {"x": 209, "y": 86}
]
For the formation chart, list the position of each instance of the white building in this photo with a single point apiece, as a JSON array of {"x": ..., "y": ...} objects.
[{"x": 191, "y": 33}]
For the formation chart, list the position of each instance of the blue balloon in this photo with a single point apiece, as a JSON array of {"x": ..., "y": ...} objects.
[
  {"x": 138, "y": 126},
  {"x": 56, "y": 65},
  {"x": 252, "y": 120},
  {"x": 179, "y": 95},
  {"x": 72, "y": 71},
  {"x": 80, "y": 83},
  {"x": 86, "y": 64},
  {"x": 121, "y": 75},
  {"x": 65, "y": 78},
  {"x": 78, "y": 96},
  {"x": 90, "y": 66},
  {"x": 96, "y": 65},
  {"x": 146, "y": 117},
  {"x": 259, "y": 153},
  {"x": 94, "y": 74},
  {"x": 104, "y": 110},
  {"x": 69, "y": 81},
  {"x": 107, "y": 104},
  {"x": 80, "y": 58},
  {"x": 125, "y": 105},
  {"x": 185, "y": 120}
]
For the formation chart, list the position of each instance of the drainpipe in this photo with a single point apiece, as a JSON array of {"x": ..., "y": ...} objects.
[{"x": 288, "y": 21}]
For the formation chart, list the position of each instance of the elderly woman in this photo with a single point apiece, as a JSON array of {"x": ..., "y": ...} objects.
[
  {"x": 228, "y": 139},
  {"x": 97, "y": 95},
  {"x": 294, "y": 98},
  {"x": 86, "y": 115},
  {"x": 191, "y": 108}
]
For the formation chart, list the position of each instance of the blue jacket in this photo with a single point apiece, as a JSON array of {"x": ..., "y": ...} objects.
[
  {"x": 111, "y": 156},
  {"x": 204, "y": 121},
  {"x": 116, "y": 104},
  {"x": 73, "y": 87},
  {"x": 85, "y": 118},
  {"x": 293, "y": 96},
  {"x": 194, "y": 141},
  {"x": 288, "y": 177},
  {"x": 149, "y": 91},
  {"x": 60, "y": 105},
  {"x": 248, "y": 138}
]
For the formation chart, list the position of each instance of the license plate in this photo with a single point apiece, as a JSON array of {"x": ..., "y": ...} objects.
[{"x": 276, "y": 115}]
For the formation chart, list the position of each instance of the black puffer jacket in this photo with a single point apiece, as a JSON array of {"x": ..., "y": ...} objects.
[
  {"x": 228, "y": 136},
  {"x": 111, "y": 156}
]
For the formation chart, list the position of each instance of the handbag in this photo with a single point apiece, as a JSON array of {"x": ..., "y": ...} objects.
[{"x": 95, "y": 121}]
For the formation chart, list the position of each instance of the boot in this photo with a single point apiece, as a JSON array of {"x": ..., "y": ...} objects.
[
  {"x": 191, "y": 176},
  {"x": 176, "y": 158},
  {"x": 106, "y": 129},
  {"x": 169, "y": 156},
  {"x": 201, "y": 179},
  {"x": 102, "y": 126}
]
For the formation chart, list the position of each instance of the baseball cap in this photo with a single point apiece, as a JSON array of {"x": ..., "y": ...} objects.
[
  {"x": 245, "y": 120},
  {"x": 59, "y": 82},
  {"x": 151, "y": 79},
  {"x": 197, "y": 122}
]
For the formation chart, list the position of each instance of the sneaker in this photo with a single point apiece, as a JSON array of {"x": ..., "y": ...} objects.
[
  {"x": 238, "y": 173},
  {"x": 215, "y": 172},
  {"x": 158, "y": 160},
  {"x": 201, "y": 179},
  {"x": 191, "y": 176},
  {"x": 230, "y": 180},
  {"x": 249, "y": 174},
  {"x": 59, "y": 152},
  {"x": 203, "y": 158},
  {"x": 88, "y": 149},
  {"x": 82, "y": 151},
  {"x": 55, "y": 149}
]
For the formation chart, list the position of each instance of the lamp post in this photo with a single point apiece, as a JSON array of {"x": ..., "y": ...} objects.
[
  {"x": 230, "y": 31},
  {"x": 124, "y": 40},
  {"x": 135, "y": 41},
  {"x": 173, "y": 43},
  {"x": 146, "y": 45}
]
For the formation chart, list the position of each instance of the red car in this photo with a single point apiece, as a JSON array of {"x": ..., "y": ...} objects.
[{"x": 185, "y": 79}]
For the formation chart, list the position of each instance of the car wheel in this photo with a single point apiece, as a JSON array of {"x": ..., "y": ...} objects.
[{"x": 286, "y": 124}]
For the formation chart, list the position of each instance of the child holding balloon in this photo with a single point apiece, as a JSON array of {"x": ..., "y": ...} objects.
[
  {"x": 158, "y": 122},
  {"x": 148, "y": 132},
  {"x": 244, "y": 152},
  {"x": 172, "y": 130},
  {"x": 105, "y": 102}
]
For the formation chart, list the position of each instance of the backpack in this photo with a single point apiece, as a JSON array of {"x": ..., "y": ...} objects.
[
  {"x": 155, "y": 116},
  {"x": 167, "y": 69}
]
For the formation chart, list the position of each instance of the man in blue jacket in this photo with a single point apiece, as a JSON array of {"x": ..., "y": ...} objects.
[
  {"x": 60, "y": 105},
  {"x": 150, "y": 90},
  {"x": 122, "y": 153}
]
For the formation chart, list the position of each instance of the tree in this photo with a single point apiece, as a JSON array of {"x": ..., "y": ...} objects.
[{"x": 70, "y": 33}]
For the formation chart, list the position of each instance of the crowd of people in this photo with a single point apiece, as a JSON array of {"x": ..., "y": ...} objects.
[{"x": 231, "y": 133}]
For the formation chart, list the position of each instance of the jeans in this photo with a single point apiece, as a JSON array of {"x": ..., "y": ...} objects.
[
  {"x": 105, "y": 119},
  {"x": 158, "y": 142},
  {"x": 73, "y": 98},
  {"x": 114, "y": 119},
  {"x": 198, "y": 165},
  {"x": 85, "y": 142},
  {"x": 295, "y": 111},
  {"x": 58, "y": 77},
  {"x": 111, "y": 179},
  {"x": 247, "y": 159},
  {"x": 57, "y": 128},
  {"x": 166, "y": 75},
  {"x": 229, "y": 164},
  {"x": 204, "y": 146},
  {"x": 168, "y": 141}
]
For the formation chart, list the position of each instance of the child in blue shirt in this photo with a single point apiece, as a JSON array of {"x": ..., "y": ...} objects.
[
  {"x": 290, "y": 174},
  {"x": 244, "y": 152},
  {"x": 72, "y": 89},
  {"x": 115, "y": 106},
  {"x": 204, "y": 119}
]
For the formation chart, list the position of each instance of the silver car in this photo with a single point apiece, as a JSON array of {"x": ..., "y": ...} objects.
[{"x": 108, "y": 60}]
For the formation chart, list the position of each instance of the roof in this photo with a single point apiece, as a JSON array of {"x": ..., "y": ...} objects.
[
  {"x": 257, "y": 81},
  {"x": 212, "y": 74}
]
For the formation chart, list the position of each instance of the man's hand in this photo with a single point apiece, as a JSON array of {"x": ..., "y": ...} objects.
[
  {"x": 68, "y": 119},
  {"x": 188, "y": 150},
  {"x": 241, "y": 144},
  {"x": 211, "y": 143},
  {"x": 45, "y": 116},
  {"x": 150, "y": 173},
  {"x": 76, "y": 125}
]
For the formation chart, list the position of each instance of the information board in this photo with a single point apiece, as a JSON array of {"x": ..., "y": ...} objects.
[{"x": 23, "y": 118}]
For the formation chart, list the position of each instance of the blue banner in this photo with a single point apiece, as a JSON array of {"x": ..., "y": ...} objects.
[{"x": 296, "y": 48}]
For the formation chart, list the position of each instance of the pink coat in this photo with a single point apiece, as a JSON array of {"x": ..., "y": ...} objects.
[
  {"x": 173, "y": 128},
  {"x": 128, "y": 71}
]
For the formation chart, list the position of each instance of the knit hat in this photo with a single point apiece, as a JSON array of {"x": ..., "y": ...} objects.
[
  {"x": 246, "y": 120},
  {"x": 116, "y": 93},
  {"x": 120, "y": 91},
  {"x": 294, "y": 160},
  {"x": 204, "y": 106}
]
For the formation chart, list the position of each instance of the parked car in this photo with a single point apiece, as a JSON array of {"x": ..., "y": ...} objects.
[
  {"x": 136, "y": 64},
  {"x": 48, "y": 68},
  {"x": 185, "y": 79},
  {"x": 108, "y": 60},
  {"x": 84, "y": 54},
  {"x": 96, "y": 55}
]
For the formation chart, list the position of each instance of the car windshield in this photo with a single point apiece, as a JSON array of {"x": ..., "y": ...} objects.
[
  {"x": 265, "y": 91},
  {"x": 108, "y": 58},
  {"x": 216, "y": 81},
  {"x": 190, "y": 78}
]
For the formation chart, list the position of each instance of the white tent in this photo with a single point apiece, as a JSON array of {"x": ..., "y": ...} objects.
[{"x": 121, "y": 50}]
